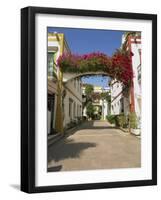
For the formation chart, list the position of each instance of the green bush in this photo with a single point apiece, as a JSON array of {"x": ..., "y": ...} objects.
[
  {"x": 133, "y": 120},
  {"x": 119, "y": 120},
  {"x": 122, "y": 120},
  {"x": 90, "y": 110},
  {"x": 111, "y": 119}
]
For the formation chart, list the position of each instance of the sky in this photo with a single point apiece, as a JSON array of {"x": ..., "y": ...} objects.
[{"x": 81, "y": 41}]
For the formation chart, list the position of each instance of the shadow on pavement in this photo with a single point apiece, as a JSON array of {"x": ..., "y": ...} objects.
[{"x": 67, "y": 148}]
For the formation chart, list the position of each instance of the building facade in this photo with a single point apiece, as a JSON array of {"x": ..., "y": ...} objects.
[
  {"x": 72, "y": 102},
  {"x": 116, "y": 98},
  {"x": 71, "y": 90},
  {"x": 132, "y": 103}
]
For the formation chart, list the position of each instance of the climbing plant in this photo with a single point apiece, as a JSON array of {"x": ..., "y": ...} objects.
[{"x": 117, "y": 67}]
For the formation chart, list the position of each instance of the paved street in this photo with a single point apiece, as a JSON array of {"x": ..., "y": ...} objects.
[{"x": 95, "y": 145}]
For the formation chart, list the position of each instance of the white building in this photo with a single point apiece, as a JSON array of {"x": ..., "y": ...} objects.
[
  {"x": 116, "y": 98},
  {"x": 72, "y": 103},
  {"x": 136, "y": 64},
  {"x": 71, "y": 91},
  {"x": 133, "y": 44},
  {"x": 132, "y": 103}
]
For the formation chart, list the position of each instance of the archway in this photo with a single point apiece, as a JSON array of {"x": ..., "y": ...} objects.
[{"x": 70, "y": 66}]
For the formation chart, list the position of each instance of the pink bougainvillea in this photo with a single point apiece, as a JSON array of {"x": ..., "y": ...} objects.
[
  {"x": 122, "y": 67},
  {"x": 118, "y": 66}
]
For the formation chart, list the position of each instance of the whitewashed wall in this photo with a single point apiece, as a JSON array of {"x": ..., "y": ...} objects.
[
  {"x": 74, "y": 92},
  {"x": 116, "y": 89},
  {"x": 137, "y": 88}
]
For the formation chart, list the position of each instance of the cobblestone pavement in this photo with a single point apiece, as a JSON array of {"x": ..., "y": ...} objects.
[{"x": 95, "y": 145}]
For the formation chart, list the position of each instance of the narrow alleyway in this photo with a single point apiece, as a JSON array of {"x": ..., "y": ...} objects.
[{"x": 95, "y": 145}]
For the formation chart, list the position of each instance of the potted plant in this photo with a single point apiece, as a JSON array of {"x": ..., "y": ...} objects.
[{"x": 133, "y": 123}]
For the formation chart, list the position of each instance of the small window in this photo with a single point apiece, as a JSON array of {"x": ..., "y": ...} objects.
[
  {"x": 112, "y": 107},
  {"x": 51, "y": 63},
  {"x": 70, "y": 107},
  {"x": 74, "y": 110}
]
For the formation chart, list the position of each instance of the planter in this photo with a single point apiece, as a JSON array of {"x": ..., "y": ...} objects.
[{"x": 136, "y": 131}]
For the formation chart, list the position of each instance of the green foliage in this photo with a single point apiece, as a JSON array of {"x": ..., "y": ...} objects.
[
  {"x": 90, "y": 110},
  {"x": 106, "y": 96},
  {"x": 119, "y": 120},
  {"x": 88, "y": 93},
  {"x": 122, "y": 120},
  {"x": 118, "y": 66},
  {"x": 111, "y": 119},
  {"x": 89, "y": 89},
  {"x": 133, "y": 120},
  {"x": 98, "y": 117},
  {"x": 127, "y": 34}
]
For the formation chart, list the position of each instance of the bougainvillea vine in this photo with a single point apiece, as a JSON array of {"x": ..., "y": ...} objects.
[{"x": 117, "y": 67}]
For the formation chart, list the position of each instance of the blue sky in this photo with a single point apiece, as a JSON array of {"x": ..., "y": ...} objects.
[{"x": 83, "y": 41}]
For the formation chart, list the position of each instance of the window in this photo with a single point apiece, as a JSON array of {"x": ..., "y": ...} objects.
[
  {"x": 70, "y": 107},
  {"x": 112, "y": 107},
  {"x": 139, "y": 50},
  {"x": 77, "y": 110},
  {"x": 74, "y": 83},
  {"x": 51, "y": 108},
  {"x": 51, "y": 99},
  {"x": 80, "y": 112},
  {"x": 74, "y": 110},
  {"x": 80, "y": 88},
  {"x": 122, "y": 105},
  {"x": 78, "y": 85},
  {"x": 51, "y": 64}
]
